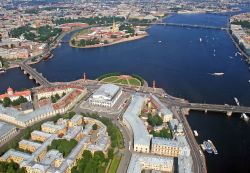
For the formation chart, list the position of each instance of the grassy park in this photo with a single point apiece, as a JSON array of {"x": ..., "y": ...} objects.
[{"x": 122, "y": 80}]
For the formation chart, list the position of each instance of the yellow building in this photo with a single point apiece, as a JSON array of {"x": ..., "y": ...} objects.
[
  {"x": 115, "y": 28},
  {"x": 50, "y": 127},
  {"x": 39, "y": 136},
  {"x": 166, "y": 147},
  {"x": 28, "y": 145}
]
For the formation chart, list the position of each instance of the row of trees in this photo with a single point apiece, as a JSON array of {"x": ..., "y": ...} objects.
[
  {"x": 7, "y": 102},
  {"x": 163, "y": 133},
  {"x": 154, "y": 120},
  {"x": 56, "y": 97},
  {"x": 90, "y": 21},
  {"x": 11, "y": 168},
  {"x": 63, "y": 146},
  {"x": 89, "y": 163}
]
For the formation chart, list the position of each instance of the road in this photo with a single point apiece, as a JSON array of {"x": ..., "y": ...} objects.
[{"x": 199, "y": 161}]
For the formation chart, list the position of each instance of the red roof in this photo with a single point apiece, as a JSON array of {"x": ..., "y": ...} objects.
[{"x": 11, "y": 93}]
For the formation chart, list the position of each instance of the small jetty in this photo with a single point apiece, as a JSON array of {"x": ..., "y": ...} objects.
[{"x": 209, "y": 147}]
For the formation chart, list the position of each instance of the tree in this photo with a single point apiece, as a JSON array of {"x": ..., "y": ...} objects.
[
  {"x": 155, "y": 120},
  {"x": 73, "y": 42},
  {"x": 110, "y": 153},
  {"x": 6, "y": 102},
  {"x": 99, "y": 156},
  {"x": 94, "y": 127},
  {"x": 57, "y": 97}
]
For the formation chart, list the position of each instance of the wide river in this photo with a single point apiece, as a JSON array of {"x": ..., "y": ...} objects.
[{"x": 182, "y": 65}]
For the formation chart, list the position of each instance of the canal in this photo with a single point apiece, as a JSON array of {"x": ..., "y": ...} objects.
[{"x": 181, "y": 60}]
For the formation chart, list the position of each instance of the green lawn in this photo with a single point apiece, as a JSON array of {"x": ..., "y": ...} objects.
[
  {"x": 114, "y": 164},
  {"x": 110, "y": 79},
  {"x": 121, "y": 81},
  {"x": 115, "y": 79},
  {"x": 134, "y": 81}
]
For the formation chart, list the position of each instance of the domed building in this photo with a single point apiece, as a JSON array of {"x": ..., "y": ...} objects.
[{"x": 15, "y": 95}]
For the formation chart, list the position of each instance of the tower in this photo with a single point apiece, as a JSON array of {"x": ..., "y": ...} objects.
[
  {"x": 84, "y": 77},
  {"x": 115, "y": 28},
  {"x": 154, "y": 85}
]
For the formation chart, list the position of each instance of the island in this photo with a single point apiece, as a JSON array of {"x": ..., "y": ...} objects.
[{"x": 107, "y": 35}]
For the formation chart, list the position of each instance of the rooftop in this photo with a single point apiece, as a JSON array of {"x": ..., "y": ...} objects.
[
  {"x": 137, "y": 162},
  {"x": 141, "y": 135},
  {"x": 106, "y": 92},
  {"x": 5, "y": 128}
]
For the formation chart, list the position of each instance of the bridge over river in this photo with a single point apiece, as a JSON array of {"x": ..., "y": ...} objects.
[
  {"x": 182, "y": 25},
  {"x": 33, "y": 74}
]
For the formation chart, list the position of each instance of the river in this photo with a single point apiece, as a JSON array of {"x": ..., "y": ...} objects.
[{"x": 180, "y": 64}]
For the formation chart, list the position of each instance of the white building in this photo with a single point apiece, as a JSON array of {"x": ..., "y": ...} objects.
[
  {"x": 106, "y": 95},
  {"x": 135, "y": 124},
  {"x": 139, "y": 162}
]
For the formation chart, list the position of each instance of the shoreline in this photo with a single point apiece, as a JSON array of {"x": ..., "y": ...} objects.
[
  {"x": 243, "y": 53},
  {"x": 110, "y": 44}
]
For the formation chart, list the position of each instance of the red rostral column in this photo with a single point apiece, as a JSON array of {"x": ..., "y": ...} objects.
[
  {"x": 84, "y": 77},
  {"x": 154, "y": 85}
]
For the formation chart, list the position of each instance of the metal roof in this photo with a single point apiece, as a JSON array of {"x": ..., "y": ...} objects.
[{"x": 141, "y": 135}]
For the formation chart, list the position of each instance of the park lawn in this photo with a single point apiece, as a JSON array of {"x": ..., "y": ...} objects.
[
  {"x": 114, "y": 164},
  {"x": 121, "y": 81},
  {"x": 85, "y": 31},
  {"x": 110, "y": 79},
  {"x": 134, "y": 81}
]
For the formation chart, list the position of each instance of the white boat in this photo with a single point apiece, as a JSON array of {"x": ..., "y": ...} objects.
[
  {"x": 217, "y": 74},
  {"x": 200, "y": 39},
  {"x": 235, "y": 54},
  {"x": 214, "y": 54},
  {"x": 213, "y": 147},
  {"x": 237, "y": 101},
  {"x": 244, "y": 116},
  {"x": 159, "y": 41},
  {"x": 230, "y": 57},
  {"x": 196, "y": 133},
  {"x": 249, "y": 81},
  {"x": 2, "y": 71},
  {"x": 214, "y": 50}
]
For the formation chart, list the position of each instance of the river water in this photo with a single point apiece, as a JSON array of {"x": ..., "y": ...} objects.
[{"x": 182, "y": 65}]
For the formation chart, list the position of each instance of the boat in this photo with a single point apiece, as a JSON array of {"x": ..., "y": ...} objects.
[
  {"x": 213, "y": 147},
  {"x": 217, "y": 74},
  {"x": 159, "y": 41},
  {"x": 235, "y": 54},
  {"x": 214, "y": 50},
  {"x": 48, "y": 56},
  {"x": 249, "y": 81},
  {"x": 214, "y": 54},
  {"x": 2, "y": 71},
  {"x": 203, "y": 147},
  {"x": 208, "y": 147},
  {"x": 230, "y": 57},
  {"x": 196, "y": 133},
  {"x": 244, "y": 116},
  {"x": 200, "y": 39},
  {"x": 237, "y": 101},
  {"x": 239, "y": 53}
]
